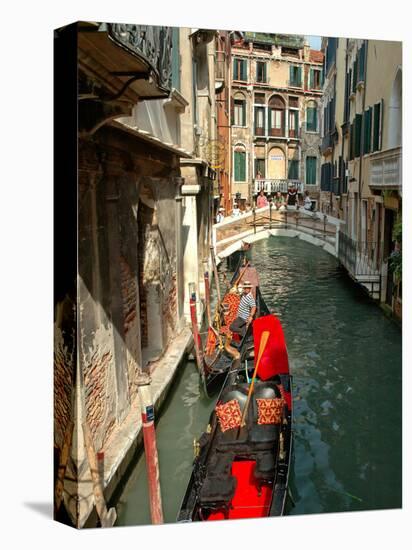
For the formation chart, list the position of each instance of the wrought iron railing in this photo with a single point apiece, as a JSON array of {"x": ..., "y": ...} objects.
[
  {"x": 360, "y": 258},
  {"x": 275, "y": 185},
  {"x": 154, "y": 44}
]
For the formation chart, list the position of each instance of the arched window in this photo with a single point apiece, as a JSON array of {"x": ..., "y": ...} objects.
[
  {"x": 311, "y": 117},
  {"x": 239, "y": 161},
  {"x": 239, "y": 110},
  {"x": 276, "y": 116}
]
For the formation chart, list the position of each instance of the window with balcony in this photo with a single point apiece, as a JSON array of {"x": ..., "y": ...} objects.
[
  {"x": 295, "y": 76},
  {"x": 259, "y": 121},
  {"x": 239, "y": 161},
  {"x": 276, "y": 116},
  {"x": 261, "y": 75},
  {"x": 311, "y": 164},
  {"x": 311, "y": 117},
  {"x": 239, "y": 110},
  {"x": 240, "y": 69}
]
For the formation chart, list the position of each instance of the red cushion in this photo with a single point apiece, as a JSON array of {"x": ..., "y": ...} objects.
[
  {"x": 229, "y": 415},
  {"x": 270, "y": 410}
]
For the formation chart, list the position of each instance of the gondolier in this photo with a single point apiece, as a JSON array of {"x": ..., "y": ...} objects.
[{"x": 246, "y": 310}]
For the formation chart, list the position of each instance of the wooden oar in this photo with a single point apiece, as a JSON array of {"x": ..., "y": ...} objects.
[
  {"x": 236, "y": 283},
  {"x": 263, "y": 341}
]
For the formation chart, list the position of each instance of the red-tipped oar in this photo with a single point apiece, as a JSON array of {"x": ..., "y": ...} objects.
[{"x": 263, "y": 341}]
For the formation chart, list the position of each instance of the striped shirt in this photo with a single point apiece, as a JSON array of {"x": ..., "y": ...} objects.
[{"x": 246, "y": 303}]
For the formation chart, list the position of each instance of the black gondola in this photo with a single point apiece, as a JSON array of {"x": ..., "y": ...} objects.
[
  {"x": 241, "y": 469},
  {"x": 221, "y": 347}
]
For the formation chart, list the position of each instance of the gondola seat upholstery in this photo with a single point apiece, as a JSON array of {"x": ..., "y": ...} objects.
[{"x": 216, "y": 489}]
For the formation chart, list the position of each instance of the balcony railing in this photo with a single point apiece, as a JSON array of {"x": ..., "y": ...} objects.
[
  {"x": 275, "y": 185},
  {"x": 386, "y": 169},
  {"x": 152, "y": 43}
]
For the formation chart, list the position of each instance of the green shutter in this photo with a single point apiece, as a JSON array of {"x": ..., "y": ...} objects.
[
  {"x": 299, "y": 83},
  {"x": 311, "y": 78},
  {"x": 240, "y": 166},
  {"x": 362, "y": 63},
  {"x": 311, "y": 170},
  {"x": 291, "y": 75},
  {"x": 243, "y": 70},
  {"x": 367, "y": 131},
  {"x": 235, "y": 69},
  {"x": 355, "y": 75},
  {"x": 311, "y": 119},
  {"x": 243, "y": 113},
  {"x": 293, "y": 169},
  {"x": 377, "y": 123},
  {"x": 358, "y": 129},
  {"x": 264, "y": 72},
  {"x": 322, "y": 80},
  {"x": 243, "y": 167}
]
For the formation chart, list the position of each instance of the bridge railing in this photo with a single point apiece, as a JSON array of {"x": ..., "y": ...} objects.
[{"x": 260, "y": 219}]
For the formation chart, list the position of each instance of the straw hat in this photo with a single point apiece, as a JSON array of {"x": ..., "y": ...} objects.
[{"x": 247, "y": 284}]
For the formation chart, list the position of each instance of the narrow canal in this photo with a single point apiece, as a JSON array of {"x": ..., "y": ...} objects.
[{"x": 346, "y": 359}]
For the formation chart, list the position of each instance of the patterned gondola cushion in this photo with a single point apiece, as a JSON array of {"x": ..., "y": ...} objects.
[
  {"x": 270, "y": 410},
  {"x": 229, "y": 415}
]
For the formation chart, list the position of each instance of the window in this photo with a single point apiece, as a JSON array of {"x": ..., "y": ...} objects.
[
  {"x": 311, "y": 163},
  {"x": 260, "y": 168},
  {"x": 355, "y": 75},
  {"x": 259, "y": 121},
  {"x": 240, "y": 164},
  {"x": 330, "y": 56},
  {"x": 293, "y": 123},
  {"x": 311, "y": 117},
  {"x": 261, "y": 71},
  {"x": 239, "y": 112},
  {"x": 276, "y": 116},
  {"x": 293, "y": 170},
  {"x": 239, "y": 69},
  {"x": 315, "y": 79},
  {"x": 295, "y": 76}
]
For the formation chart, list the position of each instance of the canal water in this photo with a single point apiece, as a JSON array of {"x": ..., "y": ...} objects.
[{"x": 346, "y": 361}]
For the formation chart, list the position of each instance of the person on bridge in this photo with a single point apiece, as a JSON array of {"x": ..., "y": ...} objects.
[
  {"x": 245, "y": 312},
  {"x": 307, "y": 203},
  {"x": 261, "y": 200}
]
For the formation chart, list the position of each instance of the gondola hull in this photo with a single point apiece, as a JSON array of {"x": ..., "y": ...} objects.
[{"x": 241, "y": 471}]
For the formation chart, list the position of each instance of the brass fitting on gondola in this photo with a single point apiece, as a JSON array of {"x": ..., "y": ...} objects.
[{"x": 196, "y": 448}]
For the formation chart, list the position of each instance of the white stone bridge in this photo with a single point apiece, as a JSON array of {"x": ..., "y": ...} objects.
[{"x": 313, "y": 227}]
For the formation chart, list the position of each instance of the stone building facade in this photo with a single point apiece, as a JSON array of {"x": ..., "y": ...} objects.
[
  {"x": 276, "y": 87},
  {"x": 361, "y": 159},
  {"x": 144, "y": 202}
]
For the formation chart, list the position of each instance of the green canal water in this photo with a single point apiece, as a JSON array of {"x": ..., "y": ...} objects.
[{"x": 346, "y": 361}]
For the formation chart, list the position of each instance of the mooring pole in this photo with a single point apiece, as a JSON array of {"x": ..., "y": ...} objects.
[
  {"x": 150, "y": 448},
  {"x": 254, "y": 219},
  {"x": 195, "y": 328}
]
